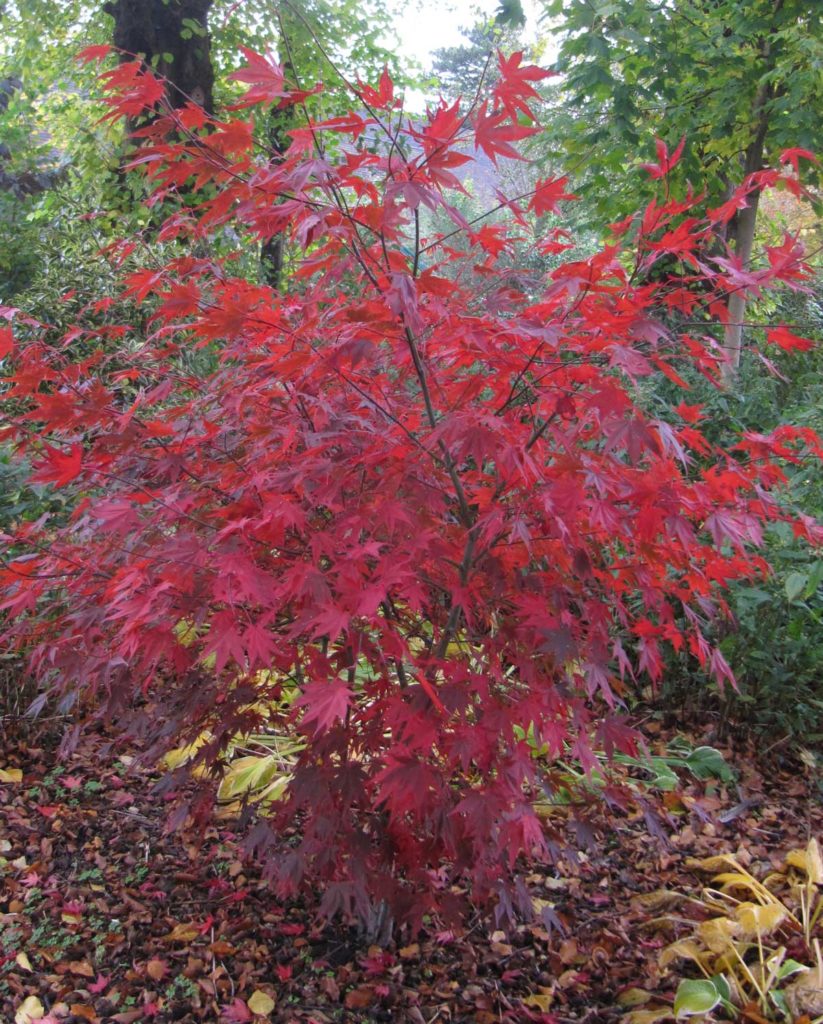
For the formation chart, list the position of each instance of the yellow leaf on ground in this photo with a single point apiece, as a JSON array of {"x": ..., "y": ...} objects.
[
  {"x": 633, "y": 997},
  {"x": 541, "y": 1000},
  {"x": 809, "y": 860},
  {"x": 30, "y": 1010},
  {"x": 23, "y": 962},
  {"x": 718, "y": 933},
  {"x": 649, "y": 1016},
  {"x": 260, "y": 1003},
  {"x": 11, "y": 775},
  {"x": 182, "y": 933},
  {"x": 756, "y": 919}
]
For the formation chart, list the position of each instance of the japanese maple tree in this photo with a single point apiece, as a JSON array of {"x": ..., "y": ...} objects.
[{"x": 415, "y": 515}]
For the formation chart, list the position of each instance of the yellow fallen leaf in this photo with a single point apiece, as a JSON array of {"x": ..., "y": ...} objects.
[
  {"x": 756, "y": 919},
  {"x": 81, "y": 967},
  {"x": 30, "y": 1010},
  {"x": 182, "y": 933},
  {"x": 649, "y": 1016},
  {"x": 685, "y": 949},
  {"x": 260, "y": 1003},
  {"x": 633, "y": 997},
  {"x": 11, "y": 775},
  {"x": 541, "y": 1000},
  {"x": 23, "y": 961},
  {"x": 809, "y": 861},
  {"x": 718, "y": 933}
]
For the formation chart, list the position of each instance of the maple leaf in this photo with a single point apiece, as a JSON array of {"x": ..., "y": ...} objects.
[
  {"x": 794, "y": 155},
  {"x": 493, "y": 133},
  {"x": 91, "y": 53},
  {"x": 236, "y": 1012},
  {"x": 514, "y": 85},
  {"x": 325, "y": 703},
  {"x": 59, "y": 467},
  {"x": 264, "y": 76},
  {"x": 665, "y": 162},
  {"x": 133, "y": 89},
  {"x": 6, "y": 341},
  {"x": 787, "y": 340},
  {"x": 381, "y": 98},
  {"x": 548, "y": 193}
]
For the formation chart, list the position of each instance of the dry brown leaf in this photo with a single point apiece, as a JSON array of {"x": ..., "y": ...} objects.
[{"x": 156, "y": 969}]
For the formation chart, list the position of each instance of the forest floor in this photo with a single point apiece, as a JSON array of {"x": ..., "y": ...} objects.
[{"x": 105, "y": 917}]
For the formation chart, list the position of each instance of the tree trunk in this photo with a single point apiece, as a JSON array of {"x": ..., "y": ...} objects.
[
  {"x": 273, "y": 250},
  {"x": 744, "y": 228},
  {"x": 163, "y": 29},
  {"x": 746, "y": 220}
]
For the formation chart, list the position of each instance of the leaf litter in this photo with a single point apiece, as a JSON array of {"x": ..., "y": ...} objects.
[{"x": 106, "y": 917}]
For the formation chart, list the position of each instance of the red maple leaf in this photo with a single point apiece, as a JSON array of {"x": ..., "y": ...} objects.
[
  {"x": 264, "y": 76},
  {"x": 59, "y": 467},
  {"x": 788, "y": 340},
  {"x": 494, "y": 132},
  {"x": 548, "y": 193},
  {"x": 325, "y": 703},
  {"x": 514, "y": 85}
]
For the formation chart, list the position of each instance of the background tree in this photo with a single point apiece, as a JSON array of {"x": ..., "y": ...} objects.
[
  {"x": 173, "y": 37},
  {"x": 739, "y": 79}
]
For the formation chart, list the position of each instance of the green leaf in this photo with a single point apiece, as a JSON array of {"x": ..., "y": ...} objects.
[
  {"x": 695, "y": 996},
  {"x": 789, "y": 967},
  {"x": 510, "y": 12},
  {"x": 707, "y": 763},
  {"x": 795, "y": 584}
]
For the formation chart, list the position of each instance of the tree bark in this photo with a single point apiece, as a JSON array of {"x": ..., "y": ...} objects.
[
  {"x": 744, "y": 229},
  {"x": 162, "y": 29},
  {"x": 746, "y": 221},
  {"x": 273, "y": 250}
]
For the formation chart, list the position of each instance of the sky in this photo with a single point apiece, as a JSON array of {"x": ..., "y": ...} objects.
[{"x": 427, "y": 25}]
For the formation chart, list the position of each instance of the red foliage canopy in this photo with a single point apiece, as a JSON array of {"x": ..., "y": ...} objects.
[{"x": 417, "y": 492}]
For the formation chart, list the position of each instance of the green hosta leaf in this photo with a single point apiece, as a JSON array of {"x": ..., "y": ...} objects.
[
  {"x": 707, "y": 763},
  {"x": 248, "y": 775},
  {"x": 696, "y": 996},
  {"x": 790, "y": 967}
]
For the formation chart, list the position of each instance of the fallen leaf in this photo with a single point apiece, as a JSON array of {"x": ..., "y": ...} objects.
[
  {"x": 156, "y": 969},
  {"x": 30, "y": 1010},
  {"x": 222, "y": 948},
  {"x": 649, "y": 1016},
  {"x": 541, "y": 1000},
  {"x": 260, "y": 1003},
  {"x": 182, "y": 933},
  {"x": 633, "y": 997},
  {"x": 359, "y": 998},
  {"x": 83, "y": 1010},
  {"x": 81, "y": 967},
  {"x": 23, "y": 961},
  {"x": 11, "y": 775}
]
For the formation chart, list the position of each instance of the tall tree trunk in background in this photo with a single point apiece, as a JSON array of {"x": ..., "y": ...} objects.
[
  {"x": 746, "y": 221},
  {"x": 169, "y": 28},
  {"x": 273, "y": 250},
  {"x": 743, "y": 228}
]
